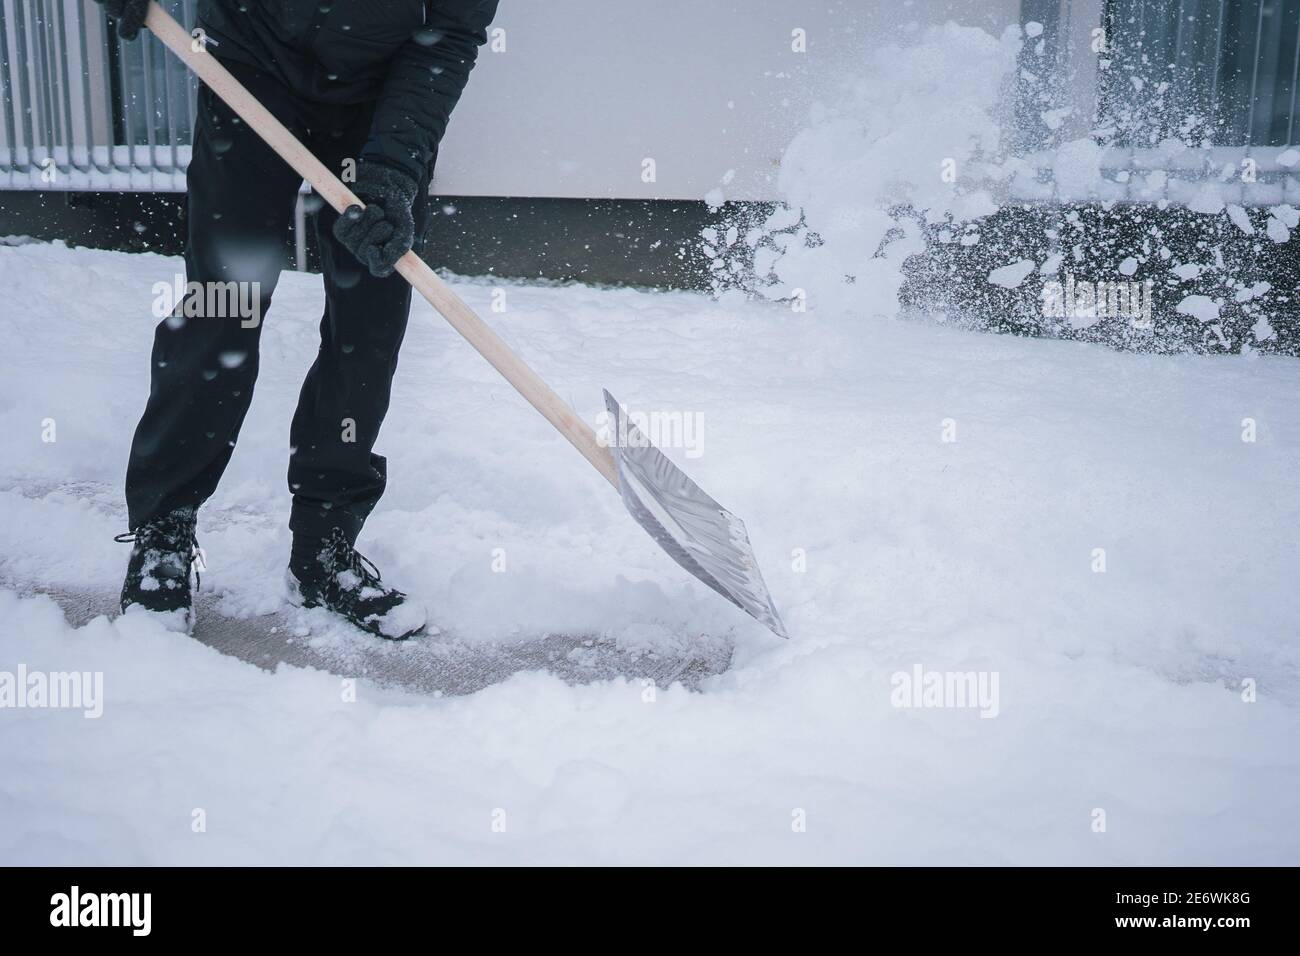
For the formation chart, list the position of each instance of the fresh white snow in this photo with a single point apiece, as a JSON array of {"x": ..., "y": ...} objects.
[
  {"x": 1012, "y": 276},
  {"x": 1119, "y": 690},
  {"x": 1107, "y": 539},
  {"x": 1200, "y": 307}
]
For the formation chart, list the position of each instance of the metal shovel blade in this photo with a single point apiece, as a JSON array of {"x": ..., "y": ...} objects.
[{"x": 697, "y": 532}]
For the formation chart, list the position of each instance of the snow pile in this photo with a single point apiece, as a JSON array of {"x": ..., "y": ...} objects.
[
  {"x": 978, "y": 182},
  {"x": 198, "y": 758},
  {"x": 1111, "y": 535},
  {"x": 907, "y": 132}
]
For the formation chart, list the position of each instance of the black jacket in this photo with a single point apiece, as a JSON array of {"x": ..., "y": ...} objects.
[{"x": 410, "y": 56}]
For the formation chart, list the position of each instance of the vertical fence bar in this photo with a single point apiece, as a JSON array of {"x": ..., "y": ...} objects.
[
  {"x": 45, "y": 76},
  {"x": 36, "y": 104},
  {"x": 1185, "y": 66},
  {"x": 65, "y": 59},
  {"x": 1065, "y": 45},
  {"x": 84, "y": 46},
  {"x": 150, "y": 101},
  {"x": 128, "y": 104},
  {"x": 24, "y": 84},
  {"x": 1268, "y": 92},
  {"x": 1178, "y": 33},
  {"x": 191, "y": 82},
  {"x": 1253, "y": 92},
  {"x": 1200, "y": 64},
  {"x": 60, "y": 110},
  {"x": 1295, "y": 79},
  {"x": 300, "y": 233},
  {"x": 171, "y": 116},
  {"x": 1217, "y": 66},
  {"x": 6, "y": 94},
  {"x": 112, "y": 65}
]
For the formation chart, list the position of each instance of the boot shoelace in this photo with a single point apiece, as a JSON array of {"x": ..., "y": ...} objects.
[
  {"x": 144, "y": 534},
  {"x": 353, "y": 560}
]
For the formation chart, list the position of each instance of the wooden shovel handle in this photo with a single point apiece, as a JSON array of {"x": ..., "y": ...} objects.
[{"x": 412, "y": 268}]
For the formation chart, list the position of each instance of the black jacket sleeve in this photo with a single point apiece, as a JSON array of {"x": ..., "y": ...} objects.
[{"x": 425, "y": 80}]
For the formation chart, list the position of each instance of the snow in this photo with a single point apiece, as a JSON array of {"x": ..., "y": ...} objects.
[
  {"x": 1011, "y": 276},
  {"x": 403, "y": 619},
  {"x": 1106, "y": 539},
  {"x": 1287, "y": 214},
  {"x": 178, "y": 621},
  {"x": 1077, "y": 168},
  {"x": 902, "y": 132},
  {"x": 1240, "y": 219},
  {"x": 1119, "y": 690},
  {"x": 1200, "y": 307},
  {"x": 1248, "y": 292}
]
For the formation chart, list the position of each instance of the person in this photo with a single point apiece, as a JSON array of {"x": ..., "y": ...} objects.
[{"x": 368, "y": 86}]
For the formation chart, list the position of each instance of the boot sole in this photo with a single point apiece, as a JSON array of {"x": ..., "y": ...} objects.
[
  {"x": 293, "y": 595},
  {"x": 166, "y": 618}
]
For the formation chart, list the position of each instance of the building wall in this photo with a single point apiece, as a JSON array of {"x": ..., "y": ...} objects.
[
  {"x": 569, "y": 99},
  {"x": 586, "y": 90}
]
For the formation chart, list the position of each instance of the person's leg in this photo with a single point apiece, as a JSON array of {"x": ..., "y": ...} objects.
[
  {"x": 241, "y": 197},
  {"x": 334, "y": 474}
]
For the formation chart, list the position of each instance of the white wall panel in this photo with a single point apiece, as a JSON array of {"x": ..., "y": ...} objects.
[{"x": 585, "y": 90}]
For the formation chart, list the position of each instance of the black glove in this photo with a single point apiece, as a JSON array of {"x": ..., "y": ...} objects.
[
  {"x": 127, "y": 14},
  {"x": 383, "y": 231}
]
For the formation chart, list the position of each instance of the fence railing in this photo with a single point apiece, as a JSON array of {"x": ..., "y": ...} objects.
[
  {"x": 1217, "y": 72},
  {"x": 1191, "y": 102},
  {"x": 84, "y": 110},
  {"x": 81, "y": 110}
]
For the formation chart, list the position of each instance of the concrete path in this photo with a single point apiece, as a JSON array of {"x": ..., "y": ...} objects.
[{"x": 442, "y": 664}]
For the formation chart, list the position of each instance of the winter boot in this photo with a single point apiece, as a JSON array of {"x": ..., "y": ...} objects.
[
  {"x": 158, "y": 573},
  {"x": 331, "y": 573}
]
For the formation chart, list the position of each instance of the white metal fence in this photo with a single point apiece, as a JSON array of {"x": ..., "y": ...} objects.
[
  {"x": 1192, "y": 102},
  {"x": 84, "y": 110},
  {"x": 80, "y": 110},
  {"x": 1221, "y": 71}
]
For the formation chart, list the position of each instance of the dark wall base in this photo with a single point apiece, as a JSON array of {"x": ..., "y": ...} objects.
[
  {"x": 655, "y": 244},
  {"x": 616, "y": 242},
  {"x": 124, "y": 222},
  {"x": 1094, "y": 242}
]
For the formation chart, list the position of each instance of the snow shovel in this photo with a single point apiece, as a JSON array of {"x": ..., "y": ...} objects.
[{"x": 697, "y": 532}]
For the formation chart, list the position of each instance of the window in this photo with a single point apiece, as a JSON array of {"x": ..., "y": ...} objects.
[{"x": 1207, "y": 72}]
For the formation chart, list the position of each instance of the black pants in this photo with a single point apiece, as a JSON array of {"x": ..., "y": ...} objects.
[{"x": 241, "y": 202}]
